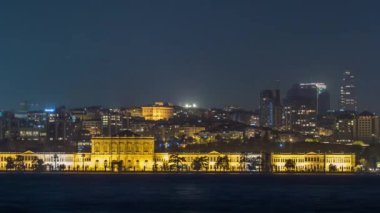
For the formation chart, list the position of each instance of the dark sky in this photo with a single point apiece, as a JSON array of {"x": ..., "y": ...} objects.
[{"x": 214, "y": 53}]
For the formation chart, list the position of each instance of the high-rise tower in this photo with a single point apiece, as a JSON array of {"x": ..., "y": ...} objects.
[
  {"x": 303, "y": 103},
  {"x": 270, "y": 109},
  {"x": 348, "y": 100},
  {"x": 266, "y": 108}
]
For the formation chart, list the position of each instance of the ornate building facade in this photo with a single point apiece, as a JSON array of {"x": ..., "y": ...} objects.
[
  {"x": 313, "y": 162},
  {"x": 126, "y": 153},
  {"x": 236, "y": 161},
  {"x": 136, "y": 154},
  {"x": 158, "y": 111}
]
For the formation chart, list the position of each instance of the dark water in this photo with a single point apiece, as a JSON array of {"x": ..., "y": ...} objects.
[{"x": 188, "y": 193}]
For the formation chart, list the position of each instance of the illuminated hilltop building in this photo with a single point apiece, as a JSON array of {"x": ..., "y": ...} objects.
[{"x": 158, "y": 111}]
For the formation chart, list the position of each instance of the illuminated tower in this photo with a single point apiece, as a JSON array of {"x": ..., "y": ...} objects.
[{"x": 348, "y": 99}]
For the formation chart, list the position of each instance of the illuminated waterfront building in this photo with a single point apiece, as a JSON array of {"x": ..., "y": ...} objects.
[
  {"x": 313, "y": 162},
  {"x": 112, "y": 158},
  {"x": 158, "y": 111},
  {"x": 236, "y": 161},
  {"x": 128, "y": 153},
  {"x": 348, "y": 100},
  {"x": 52, "y": 160},
  {"x": 107, "y": 154},
  {"x": 136, "y": 154}
]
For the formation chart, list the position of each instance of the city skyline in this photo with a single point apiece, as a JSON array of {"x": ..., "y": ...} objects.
[
  {"x": 213, "y": 54},
  {"x": 189, "y": 106},
  {"x": 320, "y": 87}
]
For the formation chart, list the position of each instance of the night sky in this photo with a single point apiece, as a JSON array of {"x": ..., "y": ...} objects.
[{"x": 214, "y": 53}]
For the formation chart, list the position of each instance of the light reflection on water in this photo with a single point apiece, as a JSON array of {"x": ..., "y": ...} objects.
[{"x": 188, "y": 193}]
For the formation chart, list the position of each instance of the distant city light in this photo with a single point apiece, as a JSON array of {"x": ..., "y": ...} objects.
[
  {"x": 49, "y": 110},
  {"x": 191, "y": 105}
]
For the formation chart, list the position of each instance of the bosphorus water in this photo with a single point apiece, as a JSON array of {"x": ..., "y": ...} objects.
[{"x": 188, "y": 193}]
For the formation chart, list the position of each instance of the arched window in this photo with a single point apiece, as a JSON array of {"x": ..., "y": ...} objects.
[
  {"x": 129, "y": 147},
  {"x": 146, "y": 147},
  {"x": 137, "y": 148},
  {"x": 114, "y": 147},
  {"x": 122, "y": 147},
  {"x": 97, "y": 149}
]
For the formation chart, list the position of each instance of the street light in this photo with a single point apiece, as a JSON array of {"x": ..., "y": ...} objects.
[
  {"x": 55, "y": 161},
  {"x": 83, "y": 156},
  {"x": 96, "y": 164},
  {"x": 105, "y": 165}
]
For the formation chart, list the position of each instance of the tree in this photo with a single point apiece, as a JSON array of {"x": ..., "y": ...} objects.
[
  {"x": 200, "y": 163},
  {"x": 363, "y": 164},
  {"x": 96, "y": 165},
  {"x": 222, "y": 162},
  {"x": 38, "y": 165},
  {"x": 290, "y": 164},
  {"x": 332, "y": 168},
  {"x": 105, "y": 165},
  {"x": 252, "y": 164},
  {"x": 176, "y": 161},
  {"x": 10, "y": 163},
  {"x": 244, "y": 160},
  {"x": 155, "y": 165},
  {"x": 62, "y": 167},
  {"x": 117, "y": 165},
  {"x": 165, "y": 166},
  {"x": 19, "y": 164},
  {"x": 83, "y": 159},
  {"x": 249, "y": 163}
]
